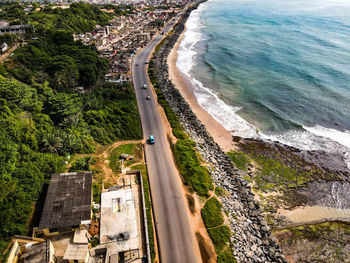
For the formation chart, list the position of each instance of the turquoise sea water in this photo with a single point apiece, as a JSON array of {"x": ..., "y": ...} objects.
[{"x": 273, "y": 69}]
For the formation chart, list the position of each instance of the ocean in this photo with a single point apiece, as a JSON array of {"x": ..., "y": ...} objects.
[{"x": 273, "y": 69}]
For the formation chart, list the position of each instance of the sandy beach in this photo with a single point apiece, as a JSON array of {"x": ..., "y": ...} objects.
[{"x": 222, "y": 136}]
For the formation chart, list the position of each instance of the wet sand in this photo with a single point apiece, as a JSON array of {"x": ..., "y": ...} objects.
[
  {"x": 222, "y": 136},
  {"x": 307, "y": 214}
]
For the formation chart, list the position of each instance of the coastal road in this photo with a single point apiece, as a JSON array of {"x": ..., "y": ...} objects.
[{"x": 176, "y": 241}]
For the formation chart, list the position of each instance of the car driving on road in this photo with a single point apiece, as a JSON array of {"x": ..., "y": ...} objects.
[
  {"x": 144, "y": 86},
  {"x": 148, "y": 97},
  {"x": 151, "y": 139}
]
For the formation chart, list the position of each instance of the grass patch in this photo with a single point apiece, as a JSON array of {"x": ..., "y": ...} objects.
[
  {"x": 316, "y": 239},
  {"x": 211, "y": 213},
  {"x": 195, "y": 175},
  {"x": 220, "y": 236},
  {"x": 227, "y": 256},
  {"x": 240, "y": 159},
  {"x": 148, "y": 204},
  {"x": 130, "y": 148},
  {"x": 273, "y": 174}
]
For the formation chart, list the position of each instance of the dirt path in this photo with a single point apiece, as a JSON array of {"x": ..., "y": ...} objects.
[{"x": 8, "y": 53}]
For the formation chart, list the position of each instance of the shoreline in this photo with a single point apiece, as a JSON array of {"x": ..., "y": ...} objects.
[
  {"x": 316, "y": 172},
  {"x": 228, "y": 141},
  {"x": 326, "y": 161},
  {"x": 222, "y": 136}
]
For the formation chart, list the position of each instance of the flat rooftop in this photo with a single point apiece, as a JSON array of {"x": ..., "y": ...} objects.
[
  {"x": 68, "y": 201},
  {"x": 76, "y": 252},
  {"x": 118, "y": 220}
]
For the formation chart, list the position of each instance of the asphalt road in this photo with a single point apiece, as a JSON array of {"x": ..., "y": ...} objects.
[{"x": 176, "y": 242}]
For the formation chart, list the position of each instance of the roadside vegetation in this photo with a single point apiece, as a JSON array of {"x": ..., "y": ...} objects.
[
  {"x": 151, "y": 234},
  {"x": 194, "y": 173},
  {"x": 197, "y": 177},
  {"x": 219, "y": 233}
]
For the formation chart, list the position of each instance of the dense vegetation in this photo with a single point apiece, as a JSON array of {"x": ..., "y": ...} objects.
[
  {"x": 39, "y": 126},
  {"x": 43, "y": 119},
  {"x": 79, "y": 18},
  {"x": 57, "y": 58},
  {"x": 43, "y": 122}
]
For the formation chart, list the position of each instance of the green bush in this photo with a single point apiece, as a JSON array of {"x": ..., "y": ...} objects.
[
  {"x": 227, "y": 256},
  {"x": 190, "y": 168},
  {"x": 57, "y": 58},
  {"x": 211, "y": 213},
  {"x": 80, "y": 165},
  {"x": 220, "y": 236}
]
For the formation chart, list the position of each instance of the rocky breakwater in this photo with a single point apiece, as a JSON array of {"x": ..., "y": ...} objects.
[{"x": 251, "y": 239}]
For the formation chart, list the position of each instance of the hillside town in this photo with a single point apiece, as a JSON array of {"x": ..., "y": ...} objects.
[{"x": 124, "y": 37}]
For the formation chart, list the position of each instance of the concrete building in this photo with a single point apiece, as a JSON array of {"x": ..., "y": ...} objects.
[
  {"x": 67, "y": 204},
  {"x": 143, "y": 37},
  {"x": 118, "y": 226},
  {"x": 26, "y": 249},
  {"x": 15, "y": 29}
]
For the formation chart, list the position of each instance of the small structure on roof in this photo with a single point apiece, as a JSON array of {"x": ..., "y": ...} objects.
[
  {"x": 77, "y": 253},
  {"x": 81, "y": 236},
  {"x": 67, "y": 204}
]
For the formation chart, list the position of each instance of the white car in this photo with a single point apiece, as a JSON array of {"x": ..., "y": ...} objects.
[
  {"x": 144, "y": 86},
  {"x": 148, "y": 97}
]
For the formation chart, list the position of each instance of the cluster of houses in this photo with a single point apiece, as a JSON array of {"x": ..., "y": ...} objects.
[
  {"x": 70, "y": 232},
  {"x": 125, "y": 35}
]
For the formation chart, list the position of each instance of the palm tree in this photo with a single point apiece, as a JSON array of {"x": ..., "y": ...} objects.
[{"x": 52, "y": 143}]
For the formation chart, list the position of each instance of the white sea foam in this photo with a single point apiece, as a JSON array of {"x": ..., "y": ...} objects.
[
  {"x": 342, "y": 137},
  {"x": 224, "y": 114},
  {"x": 310, "y": 138},
  {"x": 316, "y": 138}
]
